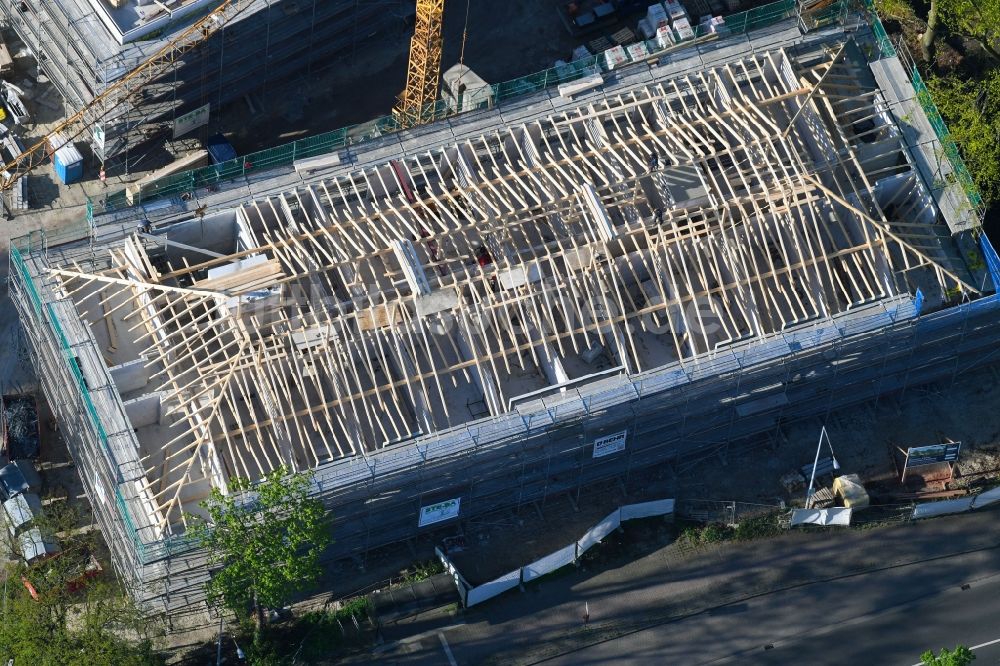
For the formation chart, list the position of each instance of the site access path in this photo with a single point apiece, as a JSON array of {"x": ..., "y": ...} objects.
[{"x": 874, "y": 596}]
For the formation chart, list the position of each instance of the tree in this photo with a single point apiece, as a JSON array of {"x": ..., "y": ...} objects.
[
  {"x": 72, "y": 618},
  {"x": 266, "y": 537},
  {"x": 100, "y": 627},
  {"x": 975, "y": 19},
  {"x": 960, "y": 656},
  {"x": 972, "y": 111}
]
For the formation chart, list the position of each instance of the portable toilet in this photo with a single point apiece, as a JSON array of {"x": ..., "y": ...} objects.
[{"x": 66, "y": 159}]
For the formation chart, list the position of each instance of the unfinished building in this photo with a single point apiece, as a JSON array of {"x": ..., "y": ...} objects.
[
  {"x": 513, "y": 304},
  {"x": 84, "y": 46}
]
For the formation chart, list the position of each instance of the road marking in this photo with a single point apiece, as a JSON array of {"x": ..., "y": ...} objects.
[
  {"x": 451, "y": 657},
  {"x": 974, "y": 647}
]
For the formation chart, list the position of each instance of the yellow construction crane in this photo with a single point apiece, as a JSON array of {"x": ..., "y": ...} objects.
[
  {"x": 122, "y": 90},
  {"x": 416, "y": 104}
]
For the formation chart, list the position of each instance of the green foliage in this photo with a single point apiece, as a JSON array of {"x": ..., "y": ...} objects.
[
  {"x": 317, "y": 636},
  {"x": 422, "y": 571},
  {"x": 707, "y": 534},
  {"x": 74, "y": 620},
  {"x": 960, "y": 656},
  {"x": 977, "y": 19},
  {"x": 101, "y": 629},
  {"x": 758, "y": 527},
  {"x": 268, "y": 550},
  {"x": 901, "y": 10},
  {"x": 975, "y": 130}
]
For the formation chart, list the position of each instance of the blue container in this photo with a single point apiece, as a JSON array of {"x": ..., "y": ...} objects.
[
  {"x": 219, "y": 149},
  {"x": 68, "y": 164}
]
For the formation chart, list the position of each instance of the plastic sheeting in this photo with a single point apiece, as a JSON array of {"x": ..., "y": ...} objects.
[
  {"x": 984, "y": 499},
  {"x": 491, "y": 589},
  {"x": 549, "y": 563},
  {"x": 824, "y": 517},
  {"x": 647, "y": 509},
  {"x": 944, "y": 507},
  {"x": 599, "y": 531}
]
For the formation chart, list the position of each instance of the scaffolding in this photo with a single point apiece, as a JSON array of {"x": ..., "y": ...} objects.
[{"x": 678, "y": 263}]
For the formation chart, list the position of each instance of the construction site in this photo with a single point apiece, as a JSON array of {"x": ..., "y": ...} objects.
[
  {"x": 639, "y": 266},
  {"x": 85, "y": 47}
]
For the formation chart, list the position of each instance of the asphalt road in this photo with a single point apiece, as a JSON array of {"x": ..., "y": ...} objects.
[
  {"x": 880, "y": 596},
  {"x": 887, "y": 617}
]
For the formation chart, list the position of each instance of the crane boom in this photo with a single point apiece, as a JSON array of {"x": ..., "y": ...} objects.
[
  {"x": 122, "y": 90},
  {"x": 424, "y": 70}
]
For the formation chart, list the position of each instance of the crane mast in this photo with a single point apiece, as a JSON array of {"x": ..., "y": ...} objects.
[{"x": 423, "y": 73}]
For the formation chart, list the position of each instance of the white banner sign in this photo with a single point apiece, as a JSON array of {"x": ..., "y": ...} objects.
[
  {"x": 605, "y": 446},
  {"x": 191, "y": 120},
  {"x": 435, "y": 513},
  {"x": 99, "y": 137}
]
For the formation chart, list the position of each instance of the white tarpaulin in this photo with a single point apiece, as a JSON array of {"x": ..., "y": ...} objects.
[
  {"x": 989, "y": 497},
  {"x": 550, "y": 563},
  {"x": 943, "y": 507},
  {"x": 599, "y": 531},
  {"x": 647, "y": 509},
  {"x": 826, "y": 517},
  {"x": 494, "y": 587}
]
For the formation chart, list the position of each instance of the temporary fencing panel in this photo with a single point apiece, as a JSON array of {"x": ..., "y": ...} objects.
[
  {"x": 493, "y": 588},
  {"x": 825, "y": 517},
  {"x": 943, "y": 507},
  {"x": 647, "y": 509},
  {"x": 549, "y": 563},
  {"x": 599, "y": 531}
]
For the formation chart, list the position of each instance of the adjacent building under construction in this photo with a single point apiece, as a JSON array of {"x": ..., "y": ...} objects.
[
  {"x": 84, "y": 46},
  {"x": 516, "y": 302}
]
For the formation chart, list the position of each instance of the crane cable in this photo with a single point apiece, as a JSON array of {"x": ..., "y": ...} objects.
[{"x": 465, "y": 34}]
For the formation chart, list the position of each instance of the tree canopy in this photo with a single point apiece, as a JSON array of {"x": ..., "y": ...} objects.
[
  {"x": 972, "y": 111},
  {"x": 72, "y": 619},
  {"x": 960, "y": 656},
  {"x": 266, "y": 538},
  {"x": 975, "y": 19}
]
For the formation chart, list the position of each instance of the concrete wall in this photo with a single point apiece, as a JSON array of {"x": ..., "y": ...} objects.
[
  {"x": 144, "y": 410},
  {"x": 130, "y": 376}
]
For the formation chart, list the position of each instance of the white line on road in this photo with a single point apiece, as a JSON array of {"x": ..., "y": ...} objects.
[
  {"x": 451, "y": 657},
  {"x": 974, "y": 647}
]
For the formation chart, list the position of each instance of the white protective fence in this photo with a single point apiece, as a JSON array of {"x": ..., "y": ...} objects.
[
  {"x": 943, "y": 507},
  {"x": 986, "y": 498},
  {"x": 825, "y": 517},
  {"x": 564, "y": 556}
]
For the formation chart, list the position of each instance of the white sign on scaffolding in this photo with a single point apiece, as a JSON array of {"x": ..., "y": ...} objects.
[
  {"x": 435, "y": 513},
  {"x": 99, "y": 137},
  {"x": 605, "y": 446},
  {"x": 191, "y": 120}
]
